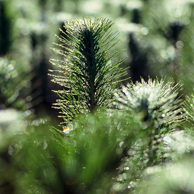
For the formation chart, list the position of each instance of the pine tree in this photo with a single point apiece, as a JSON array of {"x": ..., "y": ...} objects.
[{"x": 89, "y": 73}]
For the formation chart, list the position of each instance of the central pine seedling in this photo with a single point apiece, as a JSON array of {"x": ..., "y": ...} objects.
[{"x": 87, "y": 71}]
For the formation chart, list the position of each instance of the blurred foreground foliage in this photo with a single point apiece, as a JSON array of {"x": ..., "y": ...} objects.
[
  {"x": 106, "y": 152},
  {"x": 132, "y": 136}
]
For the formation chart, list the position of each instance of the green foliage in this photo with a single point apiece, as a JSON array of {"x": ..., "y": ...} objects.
[
  {"x": 158, "y": 108},
  {"x": 138, "y": 139},
  {"x": 40, "y": 164},
  {"x": 168, "y": 179},
  {"x": 158, "y": 102},
  {"x": 102, "y": 153},
  {"x": 89, "y": 74},
  {"x": 15, "y": 91},
  {"x": 188, "y": 106}
]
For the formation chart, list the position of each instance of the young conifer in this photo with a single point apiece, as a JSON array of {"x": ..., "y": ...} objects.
[
  {"x": 88, "y": 73},
  {"x": 159, "y": 106}
]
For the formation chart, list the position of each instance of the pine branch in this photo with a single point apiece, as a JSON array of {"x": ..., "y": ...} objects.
[
  {"x": 88, "y": 70},
  {"x": 160, "y": 108},
  {"x": 189, "y": 108},
  {"x": 156, "y": 100}
]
